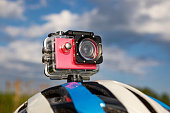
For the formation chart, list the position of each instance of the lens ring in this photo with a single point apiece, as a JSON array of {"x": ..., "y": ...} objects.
[{"x": 88, "y": 49}]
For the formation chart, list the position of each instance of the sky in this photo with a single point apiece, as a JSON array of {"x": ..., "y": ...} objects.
[{"x": 135, "y": 37}]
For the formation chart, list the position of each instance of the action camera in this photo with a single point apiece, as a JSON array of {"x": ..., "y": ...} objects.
[{"x": 76, "y": 53}]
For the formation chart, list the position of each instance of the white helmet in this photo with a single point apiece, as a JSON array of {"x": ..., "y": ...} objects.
[{"x": 104, "y": 96}]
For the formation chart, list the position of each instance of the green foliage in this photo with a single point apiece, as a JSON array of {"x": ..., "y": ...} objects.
[
  {"x": 163, "y": 97},
  {"x": 7, "y": 103}
]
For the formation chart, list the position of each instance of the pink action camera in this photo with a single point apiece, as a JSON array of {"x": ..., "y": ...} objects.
[{"x": 72, "y": 53}]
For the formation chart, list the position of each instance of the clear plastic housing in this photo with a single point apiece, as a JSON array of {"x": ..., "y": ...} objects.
[{"x": 50, "y": 62}]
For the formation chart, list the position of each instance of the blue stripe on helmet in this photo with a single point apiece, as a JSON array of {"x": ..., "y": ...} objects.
[
  {"x": 83, "y": 100},
  {"x": 161, "y": 103}
]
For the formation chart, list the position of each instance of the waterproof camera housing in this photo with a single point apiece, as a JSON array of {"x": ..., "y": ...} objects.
[{"x": 72, "y": 53}]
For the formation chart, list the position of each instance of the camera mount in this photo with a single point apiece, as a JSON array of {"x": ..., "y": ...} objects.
[{"x": 74, "y": 78}]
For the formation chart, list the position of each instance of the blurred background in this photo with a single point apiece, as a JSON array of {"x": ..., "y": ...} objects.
[{"x": 135, "y": 35}]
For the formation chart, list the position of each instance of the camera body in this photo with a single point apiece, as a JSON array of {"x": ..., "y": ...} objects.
[{"x": 72, "y": 53}]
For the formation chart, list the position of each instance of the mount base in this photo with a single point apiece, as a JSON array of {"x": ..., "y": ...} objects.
[{"x": 74, "y": 78}]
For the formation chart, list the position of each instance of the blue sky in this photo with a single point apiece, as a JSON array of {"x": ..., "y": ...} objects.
[{"x": 135, "y": 35}]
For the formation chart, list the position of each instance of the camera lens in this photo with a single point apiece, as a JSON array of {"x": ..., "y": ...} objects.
[{"x": 88, "y": 49}]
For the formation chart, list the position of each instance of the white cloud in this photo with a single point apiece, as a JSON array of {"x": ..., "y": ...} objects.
[
  {"x": 156, "y": 11},
  {"x": 17, "y": 52},
  {"x": 144, "y": 18},
  {"x": 157, "y": 19},
  {"x": 62, "y": 21},
  {"x": 12, "y": 9},
  {"x": 117, "y": 60}
]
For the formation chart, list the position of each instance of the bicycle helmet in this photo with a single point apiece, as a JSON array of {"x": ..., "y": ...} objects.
[{"x": 104, "y": 96}]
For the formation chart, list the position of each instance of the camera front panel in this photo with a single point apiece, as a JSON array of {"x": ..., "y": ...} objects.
[{"x": 65, "y": 58}]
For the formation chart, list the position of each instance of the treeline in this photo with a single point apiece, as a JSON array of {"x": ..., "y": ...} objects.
[
  {"x": 9, "y": 101},
  {"x": 17, "y": 92},
  {"x": 164, "y": 97}
]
